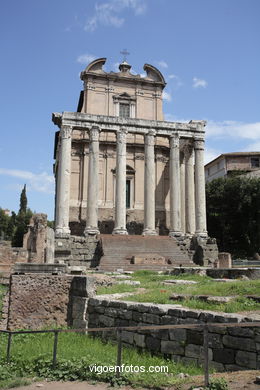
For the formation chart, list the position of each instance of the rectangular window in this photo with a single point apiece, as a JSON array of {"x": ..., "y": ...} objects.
[
  {"x": 124, "y": 110},
  {"x": 255, "y": 162}
]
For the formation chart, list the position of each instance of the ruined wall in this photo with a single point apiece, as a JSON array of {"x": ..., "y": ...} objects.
[
  {"x": 229, "y": 348},
  {"x": 43, "y": 300}
]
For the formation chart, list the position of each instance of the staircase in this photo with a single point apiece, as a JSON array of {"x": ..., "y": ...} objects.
[{"x": 118, "y": 250}]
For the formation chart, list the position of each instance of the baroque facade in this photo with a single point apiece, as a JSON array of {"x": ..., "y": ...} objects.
[{"x": 120, "y": 168}]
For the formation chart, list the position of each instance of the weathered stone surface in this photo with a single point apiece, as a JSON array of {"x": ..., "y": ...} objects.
[
  {"x": 246, "y": 359},
  {"x": 151, "y": 318},
  {"x": 106, "y": 321},
  {"x": 40, "y": 300},
  {"x": 215, "y": 340},
  {"x": 177, "y": 334},
  {"x": 241, "y": 332},
  {"x": 172, "y": 347},
  {"x": 224, "y": 355},
  {"x": 153, "y": 344},
  {"x": 194, "y": 337},
  {"x": 79, "y": 307},
  {"x": 193, "y": 350},
  {"x": 244, "y": 344},
  {"x": 127, "y": 337},
  {"x": 139, "y": 340}
]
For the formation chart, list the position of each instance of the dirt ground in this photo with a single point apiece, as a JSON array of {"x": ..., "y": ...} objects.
[{"x": 242, "y": 380}]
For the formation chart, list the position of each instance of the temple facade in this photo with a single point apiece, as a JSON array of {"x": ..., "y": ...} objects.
[{"x": 120, "y": 168}]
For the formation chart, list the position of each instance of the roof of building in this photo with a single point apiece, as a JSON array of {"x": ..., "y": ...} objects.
[{"x": 233, "y": 154}]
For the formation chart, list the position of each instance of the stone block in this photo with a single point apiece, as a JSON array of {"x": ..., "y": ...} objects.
[
  {"x": 246, "y": 359},
  {"x": 177, "y": 334},
  {"x": 160, "y": 334},
  {"x": 224, "y": 260},
  {"x": 193, "y": 351},
  {"x": 137, "y": 316},
  {"x": 241, "y": 332},
  {"x": 139, "y": 340},
  {"x": 106, "y": 321},
  {"x": 125, "y": 314},
  {"x": 79, "y": 324},
  {"x": 240, "y": 343},
  {"x": 234, "y": 367},
  {"x": 153, "y": 344},
  {"x": 111, "y": 312},
  {"x": 215, "y": 341},
  {"x": 151, "y": 318},
  {"x": 128, "y": 337},
  {"x": 219, "y": 367},
  {"x": 121, "y": 322},
  {"x": 168, "y": 320},
  {"x": 79, "y": 306},
  {"x": 172, "y": 348},
  {"x": 224, "y": 356},
  {"x": 189, "y": 360},
  {"x": 194, "y": 337}
]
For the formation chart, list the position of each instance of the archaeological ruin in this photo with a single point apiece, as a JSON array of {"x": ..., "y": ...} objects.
[{"x": 126, "y": 178}]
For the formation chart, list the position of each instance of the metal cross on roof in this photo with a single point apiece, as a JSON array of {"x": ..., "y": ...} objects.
[{"x": 125, "y": 53}]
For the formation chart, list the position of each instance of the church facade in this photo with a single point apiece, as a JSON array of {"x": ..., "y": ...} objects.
[{"x": 120, "y": 168}]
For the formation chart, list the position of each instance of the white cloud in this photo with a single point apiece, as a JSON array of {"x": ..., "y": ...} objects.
[
  {"x": 233, "y": 129},
  {"x": 108, "y": 13},
  {"x": 172, "y": 76},
  {"x": 162, "y": 64},
  {"x": 166, "y": 96},
  {"x": 175, "y": 80},
  {"x": 199, "y": 83},
  {"x": 86, "y": 58},
  {"x": 41, "y": 182}
]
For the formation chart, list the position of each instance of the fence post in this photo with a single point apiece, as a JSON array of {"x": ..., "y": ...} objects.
[
  {"x": 8, "y": 351},
  {"x": 206, "y": 354},
  {"x": 119, "y": 352},
  {"x": 55, "y": 345}
]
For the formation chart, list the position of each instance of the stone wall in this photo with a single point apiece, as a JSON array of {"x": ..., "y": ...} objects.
[
  {"x": 43, "y": 300},
  {"x": 9, "y": 256},
  {"x": 229, "y": 348},
  {"x": 78, "y": 251}
]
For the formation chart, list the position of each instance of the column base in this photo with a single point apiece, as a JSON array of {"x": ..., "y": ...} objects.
[
  {"x": 120, "y": 231},
  {"x": 176, "y": 234},
  {"x": 202, "y": 234},
  {"x": 149, "y": 232},
  {"x": 91, "y": 231},
  {"x": 62, "y": 232}
]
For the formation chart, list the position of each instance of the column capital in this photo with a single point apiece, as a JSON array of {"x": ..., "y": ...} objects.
[
  {"x": 174, "y": 141},
  {"x": 65, "y": 131},
  {"x": 94, "y": 133},
  {"x": 199, "y": 144},
  {"x": 151, "y": 132},
  {"x": 121, "y": 135}
]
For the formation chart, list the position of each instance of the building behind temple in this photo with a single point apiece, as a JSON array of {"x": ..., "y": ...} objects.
[{"x": 121, "y": 169}]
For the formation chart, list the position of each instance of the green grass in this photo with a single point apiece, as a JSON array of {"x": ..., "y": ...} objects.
[
  {"x": 157, "y": 292},
  {"x": 31, "y": 356}
]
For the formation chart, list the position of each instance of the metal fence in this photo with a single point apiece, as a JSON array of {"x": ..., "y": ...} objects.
[{"x": 200, "y": 327}]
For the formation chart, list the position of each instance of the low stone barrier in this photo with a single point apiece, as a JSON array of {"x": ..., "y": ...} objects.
[{"x": 229, "y": 348}]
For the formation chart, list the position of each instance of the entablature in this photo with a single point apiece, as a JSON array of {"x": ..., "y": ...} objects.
[{"x": 193, "y": 129}]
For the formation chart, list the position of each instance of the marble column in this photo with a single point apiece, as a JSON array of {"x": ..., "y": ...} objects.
[
  {"x": 175, "y": 212},
  {"x": 182, "y": 192},
  {"x": 120, "y": 201},
  {"x": 189, "y": 190},
  {"x": 63, "y": 183},
  {"x": 93, "y": 173},
  {"x": 149, "y": 185},
  {"x": 200, "y": 197}
]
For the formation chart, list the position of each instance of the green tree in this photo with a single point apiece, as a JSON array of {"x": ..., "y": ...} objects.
[
  {"x": 4, "y": 219},
  {"x": 22, "y": 220},
  {"x": 233, "y": 214},
  {"x": 23, "y": 201}
]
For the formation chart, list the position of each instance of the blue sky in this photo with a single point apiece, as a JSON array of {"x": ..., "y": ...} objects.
[{"x": 208, "y": 51}]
